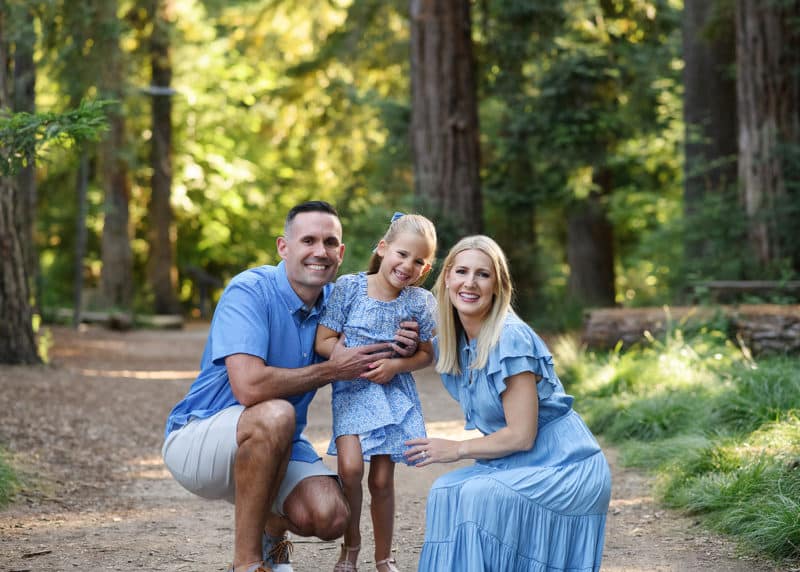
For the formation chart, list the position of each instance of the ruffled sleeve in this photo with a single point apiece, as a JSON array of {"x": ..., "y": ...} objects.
[
  {"x": 520, "y": 350},
  {"x": 338, "y": 305},
  {"x": 427, "y": 318}
]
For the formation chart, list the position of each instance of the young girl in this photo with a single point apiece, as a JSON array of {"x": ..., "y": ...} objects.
[{"x": 374, "y": 415}]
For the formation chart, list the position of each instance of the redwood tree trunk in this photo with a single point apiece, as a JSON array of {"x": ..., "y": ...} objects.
[
  {"x": 767, "y": 56},
  {"x": 17, "y": 340},
  {"x": 709, "y": 53},
  {"x": 24, "y": 99},
  {"x": 161, "y": 263},
  {"x": 590, "y": 249},
  {"x": 117, "y": 272},
  {"x": 444, "y": 115}
]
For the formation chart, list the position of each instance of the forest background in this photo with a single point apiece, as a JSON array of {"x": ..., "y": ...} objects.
[
  {"x": 621, "y": 151},
  {"x": 625, "y": 153}
]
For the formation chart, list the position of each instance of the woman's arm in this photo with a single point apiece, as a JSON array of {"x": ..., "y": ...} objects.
[
  {"x": 325, "y": 341},
  {"x": 385, "y": 369},
  {"x": 521, "y": 407}
]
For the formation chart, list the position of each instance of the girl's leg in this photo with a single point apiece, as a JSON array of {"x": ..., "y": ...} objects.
[
  {"x": 381, "y": 488},
  {"x": 351, "y": 471}
]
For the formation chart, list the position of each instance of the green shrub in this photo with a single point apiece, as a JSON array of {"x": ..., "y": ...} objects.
[{"x": 720, "y": 431}]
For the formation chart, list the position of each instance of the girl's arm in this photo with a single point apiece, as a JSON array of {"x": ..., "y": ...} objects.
[
  {"x": 385, "y": 369},
  {"x": 521, "y": 407},
  {"x": 325, "y": 341}
]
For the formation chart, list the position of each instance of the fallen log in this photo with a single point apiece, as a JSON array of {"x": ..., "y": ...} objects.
[{"x": 763, "y": 328}]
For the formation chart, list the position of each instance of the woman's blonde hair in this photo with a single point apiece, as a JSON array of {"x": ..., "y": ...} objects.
[
  {"x": 449, "y": 325},
  {"x": 411, "y": 223}
]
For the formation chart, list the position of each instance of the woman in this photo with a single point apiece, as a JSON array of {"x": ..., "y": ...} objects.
[{"x": 537, "y": 497}]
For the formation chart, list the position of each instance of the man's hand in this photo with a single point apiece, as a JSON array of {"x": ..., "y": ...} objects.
[
  {"x": 406, "y": 339},
  {"x": 352, "y": 363}
]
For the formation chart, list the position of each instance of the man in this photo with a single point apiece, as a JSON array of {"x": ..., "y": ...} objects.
[{"x": 237, "y": 434}]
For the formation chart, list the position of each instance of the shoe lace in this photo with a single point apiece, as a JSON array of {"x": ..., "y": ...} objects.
[{"x": 281, "y": 552}]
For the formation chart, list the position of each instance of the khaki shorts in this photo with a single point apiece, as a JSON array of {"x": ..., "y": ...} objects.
[{"x": 200, "y": 455}]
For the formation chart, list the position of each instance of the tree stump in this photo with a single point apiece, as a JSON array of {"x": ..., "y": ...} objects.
[{"x": 764, "y": 328}]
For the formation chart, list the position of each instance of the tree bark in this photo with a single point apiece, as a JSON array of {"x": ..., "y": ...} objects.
[
  {"x": 116, "y": 276},
  {"x": 444, "y": 123},
  {"x": 767, "y": 56},
  {"x": 590, "y": 249},
  {"x": 709, "y": 53},
  {"x": 161, "y": 267},
  {"x": 17, "y": 339},
  {"x": 24, "y": 99}
]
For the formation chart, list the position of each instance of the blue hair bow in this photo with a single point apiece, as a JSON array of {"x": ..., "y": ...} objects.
[{"x": 397, "y": 215}]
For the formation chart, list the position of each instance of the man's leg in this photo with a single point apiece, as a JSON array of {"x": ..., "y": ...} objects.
[
  {"x": 316, "y": 507},
  {"x": 264, "y": 437}
]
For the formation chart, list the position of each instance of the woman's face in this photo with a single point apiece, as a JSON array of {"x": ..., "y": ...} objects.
[{"x": 470, "y": 283}]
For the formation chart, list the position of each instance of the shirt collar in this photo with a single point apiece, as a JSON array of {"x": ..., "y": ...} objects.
[{"x": 290, "y": 297}]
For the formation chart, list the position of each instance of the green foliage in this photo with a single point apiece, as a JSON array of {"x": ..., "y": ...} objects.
[
  {"x": 23, "y": 134},
  {"x": 758, "y": 394},
  {"x": 9, "y": 483},
  {"x": 279, "y": 102},
  {"x": 721, "y": 432}
]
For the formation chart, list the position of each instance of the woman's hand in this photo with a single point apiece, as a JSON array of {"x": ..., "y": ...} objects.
[{"x": 425, "y": 451}]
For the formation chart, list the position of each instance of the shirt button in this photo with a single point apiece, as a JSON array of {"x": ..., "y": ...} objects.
[{"x": 305, "y": 354}]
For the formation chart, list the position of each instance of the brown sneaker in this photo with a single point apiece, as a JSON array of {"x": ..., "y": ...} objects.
[{"x": 276, "y": 552}]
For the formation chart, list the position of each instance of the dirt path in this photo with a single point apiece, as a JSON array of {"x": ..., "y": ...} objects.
[{"x": 87, "y": 430}]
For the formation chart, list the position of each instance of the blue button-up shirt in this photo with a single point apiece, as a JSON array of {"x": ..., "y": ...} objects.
[{"x": 261, "y": 315}]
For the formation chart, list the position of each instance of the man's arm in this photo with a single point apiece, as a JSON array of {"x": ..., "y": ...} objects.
[{"x": 253, "y": 381}]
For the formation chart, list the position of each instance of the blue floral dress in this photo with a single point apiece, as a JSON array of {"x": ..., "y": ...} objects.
[
  {"x": 539, "y": 510},
  {"x": 383, "y": 416}
]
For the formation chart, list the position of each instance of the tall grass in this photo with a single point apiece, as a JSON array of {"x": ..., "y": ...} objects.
[
  {"x": 8, "y": 480},
  {"x": 720, "y": 431}
]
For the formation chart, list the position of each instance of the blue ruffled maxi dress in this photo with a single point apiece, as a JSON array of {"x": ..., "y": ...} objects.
[{"x": 538, "y": 510}]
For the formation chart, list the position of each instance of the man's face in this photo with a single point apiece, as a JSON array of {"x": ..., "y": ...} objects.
[{"x": 312, "y": 251}]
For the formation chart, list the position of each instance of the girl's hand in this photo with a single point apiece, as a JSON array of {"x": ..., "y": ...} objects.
[
  {"x": 425, "y": 451},
  {"x": 353, "y": 363},
  {"x": 381, "y": 371}
]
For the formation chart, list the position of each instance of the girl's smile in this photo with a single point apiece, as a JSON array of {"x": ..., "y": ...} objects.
[{"x": 405, "y": 260}]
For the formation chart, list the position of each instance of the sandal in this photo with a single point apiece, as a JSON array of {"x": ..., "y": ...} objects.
[
  {"x": 345, "y": 564},
  {"x": 389, "y": 563},
  {"x": 258, "y": 566}
]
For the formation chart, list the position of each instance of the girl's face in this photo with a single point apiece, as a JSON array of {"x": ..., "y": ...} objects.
[
  {"x": 470, "y": 283},
  {"x": 405, "y": 259}
]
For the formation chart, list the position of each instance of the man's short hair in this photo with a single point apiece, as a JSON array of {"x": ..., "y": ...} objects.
[{"x": 308, "y": 207}]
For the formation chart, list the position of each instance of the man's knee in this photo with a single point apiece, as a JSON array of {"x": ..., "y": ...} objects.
[
  {"x": 320, "y": 512},
  {"x": 325, "y": 522},
  {"x": 267, "y": 421}
]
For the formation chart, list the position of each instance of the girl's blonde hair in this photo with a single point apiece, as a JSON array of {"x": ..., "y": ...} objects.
[
  {"x": 449, "y": 327},
  {"x": 411, "y": 223}
]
